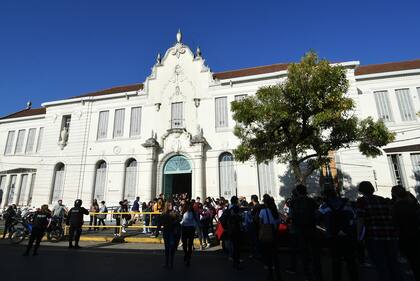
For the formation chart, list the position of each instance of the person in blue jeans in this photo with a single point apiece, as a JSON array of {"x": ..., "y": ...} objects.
[{"x": 188, "y": 225}]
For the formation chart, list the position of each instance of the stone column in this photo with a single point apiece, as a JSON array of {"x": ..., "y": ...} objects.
[
  {"x": 199, "y": 143},
  {"x": 151, "y": 146}
]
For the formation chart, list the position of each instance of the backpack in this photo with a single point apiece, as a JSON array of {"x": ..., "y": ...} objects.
[{"x": 341, "y": 222}]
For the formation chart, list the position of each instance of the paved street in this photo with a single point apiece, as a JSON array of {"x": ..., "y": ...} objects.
[{"x": 129, "y": 261}]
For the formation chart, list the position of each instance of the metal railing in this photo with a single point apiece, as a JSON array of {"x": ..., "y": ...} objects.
[{"x": 120, "y": 228}]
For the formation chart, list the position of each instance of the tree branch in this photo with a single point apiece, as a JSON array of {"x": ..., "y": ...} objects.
[{"x": 307, "y": 157}]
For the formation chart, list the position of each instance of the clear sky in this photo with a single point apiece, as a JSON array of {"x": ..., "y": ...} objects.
[{"x": 53, "y": 49}]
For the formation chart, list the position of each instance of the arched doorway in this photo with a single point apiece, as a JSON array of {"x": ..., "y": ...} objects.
[{"x": 177, "y": 176}]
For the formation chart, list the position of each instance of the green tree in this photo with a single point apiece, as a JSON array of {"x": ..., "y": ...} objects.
[{"x": 303, "y": 118}]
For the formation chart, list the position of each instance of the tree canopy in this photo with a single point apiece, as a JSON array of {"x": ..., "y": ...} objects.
[{"x": 301, "y": 119}]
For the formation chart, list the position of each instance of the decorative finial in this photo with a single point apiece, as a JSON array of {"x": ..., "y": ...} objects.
[
  {"x": 158, "y": 59},
  {"x": 29, "y": 105},
  {"x": 198, "y": 52},
  {"x": 178, "y": 36}
]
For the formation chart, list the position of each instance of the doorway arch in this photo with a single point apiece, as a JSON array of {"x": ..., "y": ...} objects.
[{"x": 177, "y": 176}]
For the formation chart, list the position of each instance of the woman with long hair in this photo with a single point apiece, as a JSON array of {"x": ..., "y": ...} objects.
[
  {"x": 188, "y": 226},
  {"x": 268, "y": 226},
  {"x": 94, "y": 208},
  {"x": 170, "y": 221}
]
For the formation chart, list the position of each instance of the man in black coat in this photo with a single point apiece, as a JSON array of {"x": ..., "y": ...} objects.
[
  {"x": 40, "y": 223},
  {"x": 9, "y": 216},
  {"x": 75, "y": 221}
]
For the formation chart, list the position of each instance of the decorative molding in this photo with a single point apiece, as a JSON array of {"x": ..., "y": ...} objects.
[{"x": 178, "y": 50}]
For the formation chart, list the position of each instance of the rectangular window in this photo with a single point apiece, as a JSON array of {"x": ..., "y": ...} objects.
[
  {"x": 119, "y": 123},
  {"x": 12, "y": 187},
  {"x": 135, "y": 122},
  {"x": 31, "y": 141},
  {"x": 9, "y": 143},
  {"x": 418, "y": 93},
  {"x": 19, "y": 141},
  {"x": 65, "y": 128},
  {"x": 415, "y": 161},
  {"x": 2, "y": 187},
  {"x": 405, "y": 103},
  {"x": 382, "y": 105},
  {"x": 40, "y": 136},
  {"x": 266, "y": 179},
  {"x": 23, "y": 196},
  {"x": 395, "y": 164},
  {"x": 177, "y": 115},
  {"x": 240, "y": 97},
  {"x": 221, "y": 112},
  {"x": 103, "y": 125}
]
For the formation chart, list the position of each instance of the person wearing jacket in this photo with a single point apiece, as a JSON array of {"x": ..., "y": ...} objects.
[
  {"x": 101, "y": 217},
  {"x": 170, "y": 221},
  {"x": 9, "y": 216},
  {"x": 40, "y": 223},
  {"x": 75, "y": 221}
]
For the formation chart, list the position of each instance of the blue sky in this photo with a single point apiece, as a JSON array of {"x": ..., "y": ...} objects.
[{"x": 52, "y": 49}]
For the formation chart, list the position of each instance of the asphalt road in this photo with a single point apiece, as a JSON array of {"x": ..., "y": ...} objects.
[{"x": 131, "y": 261}]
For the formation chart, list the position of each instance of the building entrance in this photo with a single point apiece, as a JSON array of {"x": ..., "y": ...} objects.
[{"x": 177, "y": 176}]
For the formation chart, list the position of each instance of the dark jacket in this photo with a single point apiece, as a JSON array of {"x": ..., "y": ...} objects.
[
  {"x": 40, "y": 220},
  {"x": 75, "y": 216}
]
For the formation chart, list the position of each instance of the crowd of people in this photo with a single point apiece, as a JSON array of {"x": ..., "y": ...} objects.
[{"x": 375, "y": 229}]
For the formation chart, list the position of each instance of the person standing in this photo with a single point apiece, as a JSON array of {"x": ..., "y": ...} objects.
[
  {"x": 339, "y": 219},
  {"x": 136, "y": 208},
  {"x": 75, "y": 221},
  {"x": 303, "y": 212},
  {"x": 234, "y": 230},
  {"x": 374, "y": 215},
  {"x": 40, "y": 222},
  {"x": 9, "y": 216},
  {"x": 59, "y": 211},
  {"x": 117, "y": 218},
  {"x": 170, "y": 220},
  {"x": 405, "y": 213},
  {"x": 268, "y": 224},
  {"x": 94, "y": 208},
  {"x": 188, "y": 226},
  {"x": 101, "y": 217}
]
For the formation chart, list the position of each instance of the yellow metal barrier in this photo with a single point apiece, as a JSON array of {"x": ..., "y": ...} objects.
[{"x": 120, "y": 227}]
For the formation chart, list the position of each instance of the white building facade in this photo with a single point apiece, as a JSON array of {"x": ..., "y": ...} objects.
[{"x": 174, "y": 133}]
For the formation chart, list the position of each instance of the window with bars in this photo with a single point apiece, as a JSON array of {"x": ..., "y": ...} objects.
[
  {"x": 130, "y": 181},
  {"x": 135, "y": 122},
  {"x": 119, "y": 123},
  {"x": 65, "y": 128},
  {"x": 227, "y": 179},
  {"x": 266, "y": 178},
  {"x": 58, "y": 183},
  {"x": 240, "y": 97},
  {"x": 12, "y": 187},
  {"x": 405, "y": 104},
  {"x": 382, "y": 105},
  {"x": 23, "y": 196},
  {"x": 40, "y": 136},
  {"x": 19, "y": 141},
  {"x": 221, "y": 111},
  {"x": 103, "y": 125},
  {"x": 177, "y": 115},
  {"x": 30, "y": 141},
  {"x": 100, "y": 181},
  {"x": 9, "y": 143},
  {"x": 395, "y": 164},
  {"x": 2, "y": 187},
  {"x": 415, "y": 161}
]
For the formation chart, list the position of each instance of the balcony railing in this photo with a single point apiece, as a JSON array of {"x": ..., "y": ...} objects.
[{"x": 177, "y": 123}]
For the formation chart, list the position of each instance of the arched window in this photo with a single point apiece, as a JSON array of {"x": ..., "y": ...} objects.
[
  {"x": 58, "y": 183},
  {"x": 227, "y": 179},
  {"x": 130, "y": 181},
  {"x": 266, "y": 181},
  {"x": 100, "y": 180}
]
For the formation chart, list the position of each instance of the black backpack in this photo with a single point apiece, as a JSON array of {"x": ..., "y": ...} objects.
[{"x": 341, "y": 222}]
